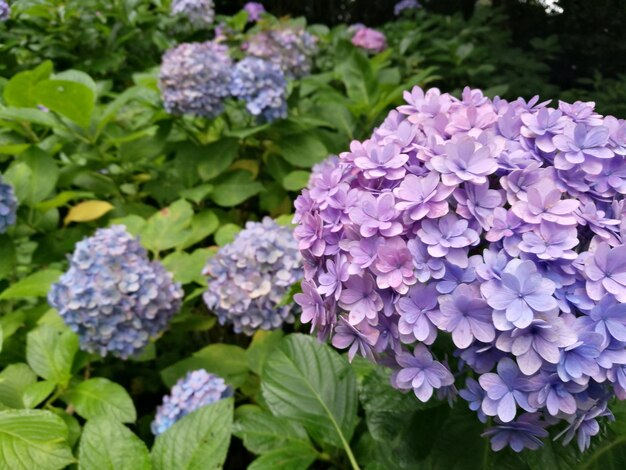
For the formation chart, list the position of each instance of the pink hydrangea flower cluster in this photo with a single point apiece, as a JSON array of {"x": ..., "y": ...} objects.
[
  {"x": 369, "y": 39},
  {"x": 500, "y": 225}
]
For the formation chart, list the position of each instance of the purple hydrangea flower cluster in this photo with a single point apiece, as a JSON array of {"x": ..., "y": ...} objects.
[
  {"x": 200, "y": 13},
  {"x": 369, "y": 39},
  {"x": 113, "y": 296},
  {"x": 8, "y": 206},
  {"x": 254, "y": 10},
  {"x": 249, "y": 277},
  {"x": 405, "y": 5},
  {"x": 197, "y": 389},
  {"x": 291, "y": 49},
  {"x": 195, "y": 78},
  {"x": 262, "y": 85},
  {"x": 500, "y": 223},
  {"x": 5, "y": 10}
]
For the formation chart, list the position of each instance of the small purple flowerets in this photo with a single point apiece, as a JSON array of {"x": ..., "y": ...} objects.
[
  {"x": 291, "y": 48},
  {"x": 195, "y": 79},
  {"x": 249, "y": 278},
  {"x": 5, "y": 10},
  {"x": 254, "y": 10},
  {"x": 197, "y": 389},
  {"x": 8, "y": 206},
  {"x": 406, "y": 5},
  {"x": 500, "y": 223},
  {"x": 113, "y": 296},
  {"x": 200, "y": 13},
  {"x": 369, "y": 39}
]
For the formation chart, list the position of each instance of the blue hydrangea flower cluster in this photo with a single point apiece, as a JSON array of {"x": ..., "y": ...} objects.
[
  {"x": 8, "y": 206},
  {"x": 5, "y": 10},
  {"x": 200, "y": 13},
  {"x": 112, "y": 296},
  {"x": 197, "y": 389},
  {"x": 292, "y": 49},
  {"x": 502, "y": 224},
  {"x": 195, "y": 78},
  {"x": 249, "y": 278},
  {"x": 262, "y": 85},
  {"x": 406, "y": 5}
]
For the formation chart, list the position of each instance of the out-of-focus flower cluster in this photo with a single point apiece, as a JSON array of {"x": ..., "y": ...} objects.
[
  {"x": 200, "y": 13},
  {"x": 262, "y": 85},
  {"x": 197, "y": 389},
  {"x": 368, "y": 39},
  {"x": 8, "y": 206},
  {"x": 249, "y": 278},
  {"x": 290, "y": 48},
  {"x": 254, "y": 10},
  {"x": 195, "y": 78},
  {"x": 500, "y": 223},
  {"x": 113, "y": 296},
  {"x": 406, "y": 5},
  {"x": 5, "y": 10}
]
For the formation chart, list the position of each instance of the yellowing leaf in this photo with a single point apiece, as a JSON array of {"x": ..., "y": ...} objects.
[{"x": 87, "y": 211}]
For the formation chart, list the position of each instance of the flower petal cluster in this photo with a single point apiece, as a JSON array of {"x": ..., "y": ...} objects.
[
  {"x": 254, "y": 10},
  {"x": 200, "y": 13},
  {"x": 498, "y": 223},
  {"x": 197, "y": 389},
  {"x": 5, "y": 10},
  {"x": 405, "y": 5},
  {"x": 113, "y": 296},
  {"x": 290, "y": 48},
  {"x": 262, "y": 85},
  {"x": 8, "y": 206},
  {"x": 249, "y": 278},
  {"x": 195, "y": 79},
  {"x": 369, "y": 39}
]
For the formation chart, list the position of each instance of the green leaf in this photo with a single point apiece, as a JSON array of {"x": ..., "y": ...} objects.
[
  {"x": 213, "y": 159},
  {"x": 226, "y": 234},
  {"x": 50, "y": 353},
  {"x": 262, "y": 432},
  {"x": 7, "y": 256},
  {"x": 296, "y": 180},
  {"x": 20, "y": 90},
  {"x": 35, "y": 285},
  {"x": 73, "y": 100},
  {"x": 134, "y": 224},
  {"x": 33, "y": 176},
  {"x": 312, "y": 384},
  {"x": 33, "y": 439},
  {"x": 198, "y": 441},
  {"x": 98, "y": 397},
  {"x": 36, "y": 393},
  {"x": 33, "y": 116},
  {"x": 291, "y": 457},
  {"x": 14, "y": 381},
  {"x": 263, "y": 343},
  {"x": 226, "y": 360},
  {"x": 234, "y": 188},
  {"x": 187, "y": 267},
  {"x": 109, "y": 445},
  {"x": 168, "y": 228},
  {"x": 303, "y": 150},
  {"x": 203, "y": 224}
]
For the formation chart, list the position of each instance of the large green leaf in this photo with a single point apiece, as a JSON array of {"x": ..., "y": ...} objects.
[
  {"x": 14, "y": 381},
  {"x": 168, "y": 228},
  {"x": 234, "y": 188},
  {"x": 33, "y": 439},
  {"x": 50, "y": 352},
  {"x": 20, "y": 90},
  {"x": 291, "y": 457},
  {"x": 108, "y": 445},
  {"x": 211, "y": 160},
  {"x": 312, "y": 384},
  {"x": 33, "y": 176},
  {"x": 263, "y": 343},
  {"x": 199, "y": 441},
  {"x": 35, "y": 285},
  {"x": 303, "y": 149},
  {"x": 262, "y": 432},
  {"x": 71, "y": 99},
  {"x": 98, "y": 397}
]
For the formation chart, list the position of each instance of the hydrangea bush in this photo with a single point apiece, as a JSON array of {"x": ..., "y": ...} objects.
[
  {"x": 197, "y": 389},
  {"x": 8, "y": 206},
  {"x": 499, "y": 223},
  {"x": 113, "y": 296},
  {"x": 249, "y": 278}
]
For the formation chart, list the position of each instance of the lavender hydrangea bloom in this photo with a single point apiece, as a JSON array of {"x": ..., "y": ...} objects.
[
  {"x": 8, "y": 206},
  {"x": 200, "y": 13},
  {"x": 348, "y": 336},
  {"x": 5, "y": 10},
  {"x": 405, "y": 5},
  {"x": 254, "y": 10},
  {"x": 249, "y": 277},
  {"x": 195, "y": 78},
  {"x": 465, "y": 217},
  {"x": 197, "y": 389},
  {"x": 261, "y": 84},
  {"x": 369, "y": 39},
  {"x": 421, "y": 373},
  {"x": 112, "y": 296}
]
